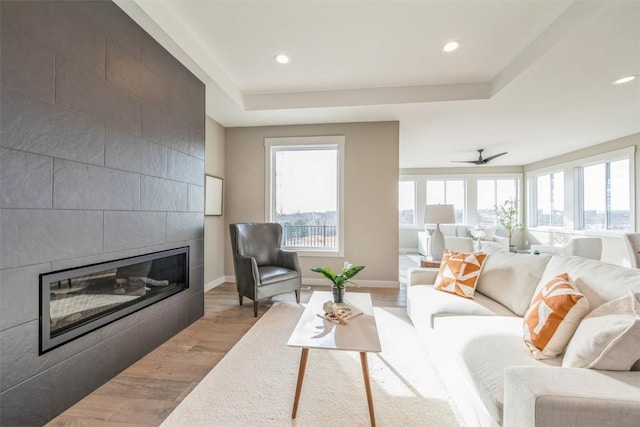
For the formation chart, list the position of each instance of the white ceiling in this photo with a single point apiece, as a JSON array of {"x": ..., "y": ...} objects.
[{"x": 532, "y": 77}]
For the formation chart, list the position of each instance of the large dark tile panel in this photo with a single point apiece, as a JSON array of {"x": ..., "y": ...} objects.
[
  {"x": 26, "y": 66},
  {"x": 196, "y": 143},
  {"x": 159, "y": 328},
  {"x": 19, "y": 294},
  {"x": 131, "y": 75},
  {"x": 26, "y": 404},
  {"x": 87, "y": 93},
  {"x": 57, "y": 26},
  {"x": 29, "y": 124},
  {"x": 111, "y": 21},
  {"x": 136, "y": 154},
  {"x": 126, "y": 230},
  {"x": 163, "y": 128},
  {"x": 19, "y": 359},
  {"x": 38, "y": 236},
  {"x": 163, "y": 195},
  {"x": 159, "y": 60},
  {"x": 184, "y": 226},
  {"x": 26, "y": 180},
  {"x": 195, "y": 307},
  {"x": 81, "y": 186},
  {"x": 185, "y": 168}
]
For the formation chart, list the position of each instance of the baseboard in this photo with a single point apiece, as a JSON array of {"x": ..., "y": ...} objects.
[
  {"x": 408, "y": 250},
  {"x": 214, "y": 283}
]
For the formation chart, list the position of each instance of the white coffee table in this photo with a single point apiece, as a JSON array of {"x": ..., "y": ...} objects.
[{"x": 361, "y": 335}]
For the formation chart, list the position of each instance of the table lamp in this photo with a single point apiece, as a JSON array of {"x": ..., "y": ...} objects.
[{"x": 438, "y": 214}]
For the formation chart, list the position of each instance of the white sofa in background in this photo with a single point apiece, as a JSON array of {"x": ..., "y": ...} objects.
[
  {"x": 457, "y": 238},
  {"x": 586, "y": 247},
  {"x": 478, "y": 346}
]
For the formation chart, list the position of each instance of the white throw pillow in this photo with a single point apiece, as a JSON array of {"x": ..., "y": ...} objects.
[
  {"x": 489, "y": 233},
  {"x": 607, "y": 338}
]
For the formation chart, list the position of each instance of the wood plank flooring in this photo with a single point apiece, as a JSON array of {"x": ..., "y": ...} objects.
[{"x": 145, "y": 393}]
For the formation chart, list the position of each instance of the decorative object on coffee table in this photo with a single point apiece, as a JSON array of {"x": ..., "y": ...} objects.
[
  {"x": 438, "y": 214},
  {"x": 339, "y": 281},
  {"x": 507, "y": 214}
]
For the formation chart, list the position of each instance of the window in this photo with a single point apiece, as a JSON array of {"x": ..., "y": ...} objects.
[
  {"x": 407, "y": 202},
  {"x": 450, "y": 192},
  {"x": 492, "y": 192},
  {"x": 605, "y": 195},
  {"x": 305, "y": 183},
  {"x": 547, "y": 204}
]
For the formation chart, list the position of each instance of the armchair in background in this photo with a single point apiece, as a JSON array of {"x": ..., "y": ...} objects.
[{"x": 262, "y": 268}]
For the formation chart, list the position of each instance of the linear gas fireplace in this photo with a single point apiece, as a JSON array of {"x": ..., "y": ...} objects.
[{"x": 76, "y": 301}]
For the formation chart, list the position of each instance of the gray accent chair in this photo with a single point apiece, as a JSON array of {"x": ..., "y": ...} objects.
[{"x": 262, "y": 268}]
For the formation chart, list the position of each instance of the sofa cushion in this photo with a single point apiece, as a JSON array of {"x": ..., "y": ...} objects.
[
  {"x": 554, "y": 315},
  {"x": 608, "y": 338},
  {"x": 484, "y": 346},
  {"x": 426, "y": 304},
  {"x": 598, "y": 281},
  {"x": 511, "y": 279},
  {"x": 459, "y": 273},
  {"x": 462, "y": 231},
  {"x": 448, "y": 229}
]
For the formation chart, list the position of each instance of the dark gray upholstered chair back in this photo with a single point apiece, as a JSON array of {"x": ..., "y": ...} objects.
[
  {"x": 262, "y": 268},
  {"x": 260, "y": 241}
]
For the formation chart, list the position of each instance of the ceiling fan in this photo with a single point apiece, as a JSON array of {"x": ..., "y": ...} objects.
[{"x": 481, "y": 160}]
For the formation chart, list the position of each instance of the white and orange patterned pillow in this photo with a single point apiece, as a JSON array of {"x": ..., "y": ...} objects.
[
  {"x": 459, "y": 273},
  {"x": 553, "y": 316}
]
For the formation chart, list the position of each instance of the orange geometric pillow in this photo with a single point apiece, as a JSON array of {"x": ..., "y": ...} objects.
[
  {"x": 553, "y": 317},
  {"x": 459, "y": 273}
]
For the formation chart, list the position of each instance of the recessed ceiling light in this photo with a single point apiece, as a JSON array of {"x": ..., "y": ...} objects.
[
  {"x": 281, "y": 58},
  {"x": 451, "y": 46},
  {"x": 625, "y": 79}
]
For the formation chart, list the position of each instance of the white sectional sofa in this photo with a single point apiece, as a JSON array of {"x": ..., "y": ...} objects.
[
  {"x": 457, "y": 238},
  {"x": 478, "y": 345}
]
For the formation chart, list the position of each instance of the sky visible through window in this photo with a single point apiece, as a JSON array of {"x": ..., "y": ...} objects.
[{"x": 306, "y": 181}]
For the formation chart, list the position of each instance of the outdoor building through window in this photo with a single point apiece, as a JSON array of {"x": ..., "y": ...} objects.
[
  {"x": 450, "y": 192},
  {"x": 492, "y": 192},
  {"x": 548, "y": 200},
  {"x": 305, "y": 183},
  {"x": 407, "y": 202},
  {"x": 605, "y": 196}
]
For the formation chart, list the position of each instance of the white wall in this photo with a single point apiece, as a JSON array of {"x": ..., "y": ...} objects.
[{"x": 214, "y": 226}]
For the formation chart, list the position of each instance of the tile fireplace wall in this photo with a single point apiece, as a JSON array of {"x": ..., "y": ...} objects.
[{"x": 102, "y": 157}]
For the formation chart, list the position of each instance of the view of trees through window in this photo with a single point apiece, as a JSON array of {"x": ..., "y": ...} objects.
[
  {"x": 305, "y": 195},
  {"x": 492, "y": 192}
]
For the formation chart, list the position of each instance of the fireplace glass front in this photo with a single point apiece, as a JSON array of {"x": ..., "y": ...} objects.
[{"x": 76, "y": 301}]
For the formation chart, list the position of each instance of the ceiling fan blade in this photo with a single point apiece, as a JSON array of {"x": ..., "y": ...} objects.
[
  {"x": 475, "y": 162},
  {"x": 487, "y": 159}
]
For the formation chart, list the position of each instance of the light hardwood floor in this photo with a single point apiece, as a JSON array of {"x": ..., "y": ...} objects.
[{"x": 145, "y": 393}]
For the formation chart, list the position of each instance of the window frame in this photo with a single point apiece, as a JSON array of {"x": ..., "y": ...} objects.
[
  {"x": 446, "y": 201},
  {"x": 573, "y": 192},
  {"x": 273, "y": 144},
  {"x": 505, "y": 177}
]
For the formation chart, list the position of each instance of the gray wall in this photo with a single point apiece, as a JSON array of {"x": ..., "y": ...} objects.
[
  {"x": 370, "y": 199},
  {"x": 102, "y": 157}
]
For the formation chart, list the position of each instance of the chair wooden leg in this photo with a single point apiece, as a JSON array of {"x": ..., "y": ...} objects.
[
  {"x": 255, "y": 309},
  {"x": 240, "y": 298},
  {"x": 297, "y": 291}
]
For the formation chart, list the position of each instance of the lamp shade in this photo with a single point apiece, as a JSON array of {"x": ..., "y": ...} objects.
[{"x": 439, "y": 214}]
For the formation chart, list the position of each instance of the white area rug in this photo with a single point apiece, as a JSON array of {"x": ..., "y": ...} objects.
[{"x": 254, "y": 384}]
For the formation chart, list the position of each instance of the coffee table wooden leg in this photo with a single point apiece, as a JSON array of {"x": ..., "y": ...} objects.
[
  {"x": 301, "y": 369},
  {"x": 367, "y": 385}
]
